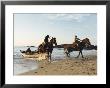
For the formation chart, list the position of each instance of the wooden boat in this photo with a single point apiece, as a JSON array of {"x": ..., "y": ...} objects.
[{"x": 34, "y": 55}]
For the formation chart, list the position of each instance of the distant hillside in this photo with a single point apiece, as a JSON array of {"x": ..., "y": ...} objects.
[
  {"x": 58, "y": 46},
  {"x": 30, "y": 46},
  {"x": 86, "y": 48}
]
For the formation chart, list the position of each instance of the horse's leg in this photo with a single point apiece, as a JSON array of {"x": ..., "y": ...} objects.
[
  {"x": 67, "y": 53},
  {"x": 50, "y": 56},
  {"x": 81, "y": 53},
  {"x": 65, "y": 50}
]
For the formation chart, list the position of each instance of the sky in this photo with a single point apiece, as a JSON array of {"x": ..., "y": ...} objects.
[{"x": 31, "y": 29}]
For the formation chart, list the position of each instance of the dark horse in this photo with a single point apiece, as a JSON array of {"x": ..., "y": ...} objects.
[
  {"x": 76, "y": 47},
  {"x": 47, "y": 48}
]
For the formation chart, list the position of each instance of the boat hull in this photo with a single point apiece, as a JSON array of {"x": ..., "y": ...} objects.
[{"x": 35, "y": 56}]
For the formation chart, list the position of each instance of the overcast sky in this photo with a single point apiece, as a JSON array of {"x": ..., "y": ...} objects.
[{"x": 31, "y": 29}]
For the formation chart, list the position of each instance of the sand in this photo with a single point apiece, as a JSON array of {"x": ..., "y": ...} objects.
[{"x": 68, "y": 66}]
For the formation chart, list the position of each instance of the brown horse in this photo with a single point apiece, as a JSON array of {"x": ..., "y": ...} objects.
[
  {"x": 47, "y": 48},
  {"x": 76, "y": 47}
]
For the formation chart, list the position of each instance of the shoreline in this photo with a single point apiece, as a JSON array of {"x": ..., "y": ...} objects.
[{"x": 73, "y": 66}]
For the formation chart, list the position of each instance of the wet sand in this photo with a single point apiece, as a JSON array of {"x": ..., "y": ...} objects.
[{"x": 68, "y": 66}]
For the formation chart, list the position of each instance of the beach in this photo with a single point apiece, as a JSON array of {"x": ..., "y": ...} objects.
[
  {"x": 60, "y": 64},
  {"x": 67, "y": 66}
]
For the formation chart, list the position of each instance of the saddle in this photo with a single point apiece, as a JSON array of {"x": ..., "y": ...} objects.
[
  {"x": 76, "y": 43},
  {"x": 43, "y": 47}
]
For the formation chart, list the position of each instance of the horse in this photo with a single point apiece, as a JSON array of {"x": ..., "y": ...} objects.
[
  {"x": 47, "y": 48},
  {"x": 76, "y": 47}
]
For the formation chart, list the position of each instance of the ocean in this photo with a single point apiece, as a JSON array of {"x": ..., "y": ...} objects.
[{"x": 22, "y": 65}]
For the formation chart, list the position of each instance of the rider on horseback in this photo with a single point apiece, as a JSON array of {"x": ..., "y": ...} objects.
[
  {"x": 44, "y": 45},
  {"x": 77, "y": 40},
  {"x": 46, "y": 41}
]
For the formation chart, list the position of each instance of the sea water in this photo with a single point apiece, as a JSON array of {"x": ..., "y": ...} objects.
[{"x": 22, "y": 65}]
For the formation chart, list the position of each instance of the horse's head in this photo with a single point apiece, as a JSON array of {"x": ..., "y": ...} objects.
[
  {"x": 53, "y": 41},
  {"x": 86, "y": 41}
]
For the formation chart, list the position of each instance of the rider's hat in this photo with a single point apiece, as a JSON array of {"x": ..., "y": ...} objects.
[{"x": 47, "y": 35}]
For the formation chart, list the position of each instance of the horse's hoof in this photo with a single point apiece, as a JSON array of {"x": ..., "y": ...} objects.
[{"x": 49, "y": 61}]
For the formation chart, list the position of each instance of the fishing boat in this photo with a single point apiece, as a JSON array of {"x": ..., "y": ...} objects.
[{"x": 34, "y": 55}]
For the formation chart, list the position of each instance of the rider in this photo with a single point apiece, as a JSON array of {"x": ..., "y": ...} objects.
[
  {"x": 77, "y": 40},
  {"x": 46, "y": 41},
  {"x": 28, "y": 50}
]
